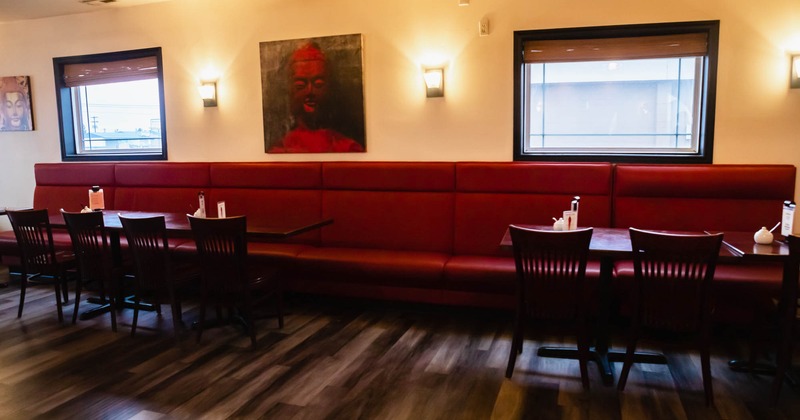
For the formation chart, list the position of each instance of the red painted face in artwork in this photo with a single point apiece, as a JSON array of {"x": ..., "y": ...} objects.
[{"x": 309, "y": 85}]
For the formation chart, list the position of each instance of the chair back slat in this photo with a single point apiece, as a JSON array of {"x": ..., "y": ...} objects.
[{"x": 551, "y": 267}]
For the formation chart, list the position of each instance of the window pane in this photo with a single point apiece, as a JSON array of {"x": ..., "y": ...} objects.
[
  {"x": 623, "y": 106},
  {"x": 118, "y": 117}
]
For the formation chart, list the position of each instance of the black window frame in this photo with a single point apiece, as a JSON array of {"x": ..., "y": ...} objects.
[
  {"x": 65, "y": 109},
  {"x": 708, "y": 100}
]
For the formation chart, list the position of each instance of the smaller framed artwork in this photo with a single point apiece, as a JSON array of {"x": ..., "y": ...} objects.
[{"x": 15, "y": 104}]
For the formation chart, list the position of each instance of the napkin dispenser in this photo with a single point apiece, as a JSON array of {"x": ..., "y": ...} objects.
[
  {"x": 787, "y": 218},
  {"x": 201, "y": 205}
]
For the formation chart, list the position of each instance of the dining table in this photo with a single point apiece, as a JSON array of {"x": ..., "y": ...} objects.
[
  {"x": 743, "y": 245},
  {"x": 177, "y": 226},
  {"x": 612, "y": 244}
]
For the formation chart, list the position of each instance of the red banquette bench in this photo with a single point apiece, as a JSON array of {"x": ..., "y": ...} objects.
[{"x": 430, "y": 231}]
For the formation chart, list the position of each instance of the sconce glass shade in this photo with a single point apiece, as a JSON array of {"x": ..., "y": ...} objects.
[
  {"x": 795, "y": 77},
  {"x": 208, "y": 91},
  {"x": 434, "y": 82}
]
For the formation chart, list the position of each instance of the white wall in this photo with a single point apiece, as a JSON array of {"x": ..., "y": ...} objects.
[{"x": 757, "y": 115}]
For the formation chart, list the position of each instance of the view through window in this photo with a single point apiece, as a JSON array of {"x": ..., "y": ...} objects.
[{"x": 118, "y": 117}]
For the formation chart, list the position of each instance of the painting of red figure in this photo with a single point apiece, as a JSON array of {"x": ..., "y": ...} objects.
[
  {"x": 15, "y": 104},
  {"x": 313, "y": 96}
]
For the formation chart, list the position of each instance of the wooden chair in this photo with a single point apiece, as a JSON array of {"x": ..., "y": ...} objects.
[
  {"x": 156, "y": 277},
  {"x": 222, "y": 249},
  {"x": 40, "y": 261},
  {"x": 551, "y": 269},
  {"x": 672, "y": 291},
  {"x": 95, "y": 265}
]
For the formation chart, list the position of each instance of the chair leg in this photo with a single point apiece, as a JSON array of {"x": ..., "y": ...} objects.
[
  {"x": 250, "y": 322},
  {"x": 629, "y": 353},
  {"x": 135, "y": 314},
  {"x": 583, "y": 356},
  {"x": 64, "y": 286},
  {"x": 516, "y": 346},
  {"x": 113, "y": 311},
  {"x": 58, "y": 302},
  {"x": 78, "y": 286},
  {"x": 202, "y": 318},
  {"x": 23, "y": 285},
  {"x": 176, "y": 316},
  {"x": 176, "y": 323},
  {"x": 705, "y": 361},
  {"x": 110, "y": 298}
]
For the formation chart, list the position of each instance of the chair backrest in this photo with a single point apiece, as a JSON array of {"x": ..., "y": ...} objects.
[
  {"x": 34, "y": 238},
  {"x": 673, "y": 278},
  {"x": 147, "y": 242},
  {"x": 222, "y": 248},
  {"x": 89, "y": 243},
  {"x": 551, "y": 267}
]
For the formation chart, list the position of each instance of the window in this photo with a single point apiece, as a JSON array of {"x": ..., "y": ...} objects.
[
  {"x": 111, "y": 106},
  {"x": 635, "y": 93}
]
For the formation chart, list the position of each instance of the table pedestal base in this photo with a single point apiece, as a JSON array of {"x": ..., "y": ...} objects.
[
  {"x": 104, "y": 307},
  {"x": 604, "y": 360},
  {"x": 763, "y": 369}
]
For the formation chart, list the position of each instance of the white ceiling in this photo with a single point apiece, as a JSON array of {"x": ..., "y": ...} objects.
[{"x": 15, "y": 10}]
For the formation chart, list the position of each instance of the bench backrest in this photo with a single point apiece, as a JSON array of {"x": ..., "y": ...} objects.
[{"x": 701, "y": 197}]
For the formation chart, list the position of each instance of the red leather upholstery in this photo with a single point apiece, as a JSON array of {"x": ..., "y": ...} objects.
[
  {"x": 171, "y": 187},
  {"x": 490, "y": 196},
  {"x": 374, "y": 205},
  {"x": 430, "y": 231},
  {"x": 701, "y": 197},
  {"x": 284, "y": 193},
  {"x": 707, "y": 197},
  {"x": 66, "y": 185}
]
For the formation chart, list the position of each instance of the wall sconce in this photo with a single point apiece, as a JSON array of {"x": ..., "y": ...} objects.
[
  {"x": 434, "y": 82},
  {"x": 208, "y": 91},
  {"x": 795, "y": 77}
]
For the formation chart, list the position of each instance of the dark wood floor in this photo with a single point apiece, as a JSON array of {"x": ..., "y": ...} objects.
[{"x": 339, "y": 359}]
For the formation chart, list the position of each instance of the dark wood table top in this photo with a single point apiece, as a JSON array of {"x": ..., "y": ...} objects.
[
  {"x": 616, "y": 243},
  {"x": 178, "y": 224},
  {"x": 743, "y": 245}
]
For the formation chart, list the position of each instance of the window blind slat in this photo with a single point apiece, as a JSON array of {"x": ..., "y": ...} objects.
[
  {"x": 110, "y": 72},
  {"x": 603, "y": 49}
]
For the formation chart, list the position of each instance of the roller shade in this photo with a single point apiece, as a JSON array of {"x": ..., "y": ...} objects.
[
  {"x": 110, "y": 72},
  {"x": 601, "y": 49}
]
